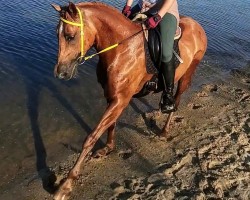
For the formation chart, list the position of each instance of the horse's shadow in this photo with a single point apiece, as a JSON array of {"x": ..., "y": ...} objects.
[
  {"x": 33, "y": 89},
  {"x": 149, "y": 122}
]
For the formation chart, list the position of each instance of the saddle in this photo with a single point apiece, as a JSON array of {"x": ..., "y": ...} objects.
[
  {"x": 153, "y": 51},
  {"x": 153, "y": 45}
]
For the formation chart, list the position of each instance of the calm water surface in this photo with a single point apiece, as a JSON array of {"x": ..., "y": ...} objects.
[{"x": 39, "y": 111}]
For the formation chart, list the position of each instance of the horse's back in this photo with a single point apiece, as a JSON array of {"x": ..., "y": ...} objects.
[
  {"x": 192, "y": 44},
  {"x": 193, "y": 32}
]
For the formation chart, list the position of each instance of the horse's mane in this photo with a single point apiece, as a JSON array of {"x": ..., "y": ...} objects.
[
  {"x": 65, "y": 8},
  {"x": 101, "y": 4},
  {"x": 94, "y": 4},
  {"x": 110, "y": 8}
]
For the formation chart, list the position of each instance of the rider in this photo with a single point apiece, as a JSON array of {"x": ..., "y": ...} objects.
[{"x": 165, "y": 13}]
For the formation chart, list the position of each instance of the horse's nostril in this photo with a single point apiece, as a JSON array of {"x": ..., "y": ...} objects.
[{"x": 62, "y": 75}]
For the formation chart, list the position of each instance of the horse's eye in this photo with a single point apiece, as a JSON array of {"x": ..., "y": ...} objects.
[{"x": 69, "y": 37}]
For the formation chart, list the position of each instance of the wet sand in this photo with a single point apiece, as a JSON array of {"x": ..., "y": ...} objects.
[{"x": 205, "y": 156}]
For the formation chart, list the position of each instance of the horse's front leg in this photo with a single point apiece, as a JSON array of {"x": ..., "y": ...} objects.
[
  {"x": 110, "y": 144},
  {"x": 108, "y": 120}
]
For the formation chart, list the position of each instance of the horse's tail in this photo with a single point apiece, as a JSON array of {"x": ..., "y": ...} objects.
[{"x": 185, "y": 80}]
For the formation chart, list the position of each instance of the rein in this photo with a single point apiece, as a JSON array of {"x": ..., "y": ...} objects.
[{"x": 81, "y": 25}]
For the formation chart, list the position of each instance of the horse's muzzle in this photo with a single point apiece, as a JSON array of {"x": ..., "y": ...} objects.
[
  {"x": 62, "y": 75},
  {"x": 64, "y": 72}
]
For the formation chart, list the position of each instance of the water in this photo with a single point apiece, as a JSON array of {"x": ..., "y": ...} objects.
[
  {"x": 227, "y": 27},
  {"x": 40, "y": 114}
]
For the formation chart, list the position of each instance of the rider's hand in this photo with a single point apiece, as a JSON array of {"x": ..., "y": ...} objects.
[
  {"x": 126, "y": 10},
  {"x": 153, "y": 21}
]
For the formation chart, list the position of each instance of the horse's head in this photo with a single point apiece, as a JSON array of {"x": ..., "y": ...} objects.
[{"x": 72, "y": 34}]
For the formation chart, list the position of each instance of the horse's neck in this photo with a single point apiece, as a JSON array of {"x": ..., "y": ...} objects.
[{"x": 110, "y": 25}]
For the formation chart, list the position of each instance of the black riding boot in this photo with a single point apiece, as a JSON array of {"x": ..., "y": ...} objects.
[{"x": 167, "y": 103}]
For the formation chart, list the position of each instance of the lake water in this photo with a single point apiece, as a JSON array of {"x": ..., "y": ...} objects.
[{"x": 40, "y": 114}]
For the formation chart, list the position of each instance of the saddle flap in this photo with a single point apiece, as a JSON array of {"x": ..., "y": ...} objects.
[{"x": 155, "y": 46}]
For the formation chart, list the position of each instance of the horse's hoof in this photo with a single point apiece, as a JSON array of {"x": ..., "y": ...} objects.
[
  {"x": 63, "y": 193},
  {"x": 102, "y": 152},
  {"x": 163, "y": 136}
]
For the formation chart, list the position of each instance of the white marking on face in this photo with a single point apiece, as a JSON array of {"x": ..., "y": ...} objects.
[{"x": 61, "y": 28}]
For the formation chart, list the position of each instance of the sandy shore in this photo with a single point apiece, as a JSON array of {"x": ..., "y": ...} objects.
[{"x": 205, "y": 156}]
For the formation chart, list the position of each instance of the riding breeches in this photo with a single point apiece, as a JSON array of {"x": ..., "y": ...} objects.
[{"x": 167, "y": 29}]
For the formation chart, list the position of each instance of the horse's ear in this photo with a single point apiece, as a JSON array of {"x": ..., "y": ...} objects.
[
  {"x": 56, "y": 7},
  {"x": 72, "y": 9}
]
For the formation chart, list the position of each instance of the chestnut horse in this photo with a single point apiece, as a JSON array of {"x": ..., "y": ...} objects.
[{"x": 121, "y": 71}]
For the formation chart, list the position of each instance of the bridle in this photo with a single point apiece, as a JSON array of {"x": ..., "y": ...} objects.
[{"x": 81, "y": 25}]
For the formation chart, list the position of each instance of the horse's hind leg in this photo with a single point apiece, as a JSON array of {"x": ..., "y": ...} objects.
[
  {"x": 166, "y": 126},
  {"x": 185, "y": 81},
  {"x": 182, "y": 86}
]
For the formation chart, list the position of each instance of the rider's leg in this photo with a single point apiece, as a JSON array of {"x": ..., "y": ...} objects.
[{"x": 168, "y": 28}]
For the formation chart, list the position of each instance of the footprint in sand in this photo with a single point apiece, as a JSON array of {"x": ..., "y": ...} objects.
[
  {"x": 202, "y": 94},
  {"x": 246, "y": 80},
  {"x": 125, "y": 154},
  {"x": 241, "y": 95},
  {"x": 195, "y": 106},
  {"x": 178, "y": 119},
  {"x": 211, "y": 88}
]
